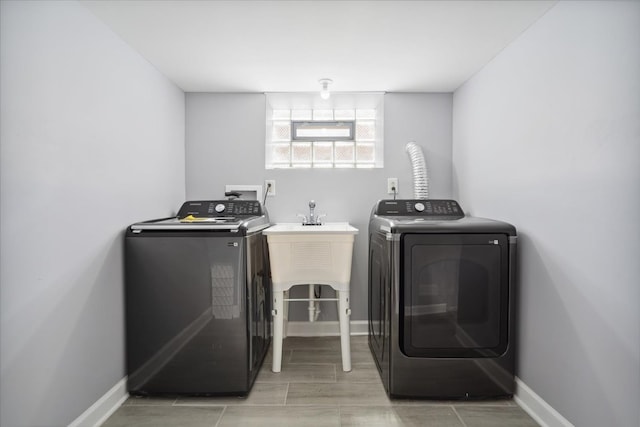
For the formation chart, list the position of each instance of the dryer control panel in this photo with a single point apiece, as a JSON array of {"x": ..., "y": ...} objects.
[{"x": 428, "y": 208}]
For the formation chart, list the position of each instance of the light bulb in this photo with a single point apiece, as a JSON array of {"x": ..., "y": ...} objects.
[{"x": 324, "y": 91}]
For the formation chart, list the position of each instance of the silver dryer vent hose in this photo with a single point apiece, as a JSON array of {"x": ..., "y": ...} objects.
[{"x": 420, "y": 179}]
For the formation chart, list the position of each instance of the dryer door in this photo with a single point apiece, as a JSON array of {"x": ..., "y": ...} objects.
[{"x": 455, "y": 295}]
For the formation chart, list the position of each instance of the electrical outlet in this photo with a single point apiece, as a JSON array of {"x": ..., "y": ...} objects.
[
  {"x": 391, "y": 184},
  {"x": 270, "y": 187}
]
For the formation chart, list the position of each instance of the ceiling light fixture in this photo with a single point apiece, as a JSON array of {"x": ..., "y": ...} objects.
[{"x": 324, "y": 91}]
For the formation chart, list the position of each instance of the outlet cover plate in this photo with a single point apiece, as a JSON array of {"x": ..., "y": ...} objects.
[
  {"x": 391, "y": 183},
  {"x": 270, "y": 187}
]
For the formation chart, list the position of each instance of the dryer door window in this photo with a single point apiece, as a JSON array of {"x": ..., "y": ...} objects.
[{"x": 455, "y": 295}]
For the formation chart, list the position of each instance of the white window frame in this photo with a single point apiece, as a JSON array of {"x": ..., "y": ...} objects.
[{"x": 282, "y": 109}]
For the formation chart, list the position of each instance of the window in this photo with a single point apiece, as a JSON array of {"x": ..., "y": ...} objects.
[
  {"x": 323, "y": 131},
  {"x": 343, "y": 132}
]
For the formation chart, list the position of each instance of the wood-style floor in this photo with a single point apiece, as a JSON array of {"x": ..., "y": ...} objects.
[{"x": 313, "y": 391}]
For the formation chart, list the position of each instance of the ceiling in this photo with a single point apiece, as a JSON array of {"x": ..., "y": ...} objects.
[{"x": 287, "y": 46}]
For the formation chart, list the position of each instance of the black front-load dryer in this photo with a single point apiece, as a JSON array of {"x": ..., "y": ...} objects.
[{"x": 441, "y": 301}]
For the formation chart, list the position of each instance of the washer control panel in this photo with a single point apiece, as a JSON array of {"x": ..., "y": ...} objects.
[
  {"x": 217, "y": 208},
  {"x": 429, "y": 208}
]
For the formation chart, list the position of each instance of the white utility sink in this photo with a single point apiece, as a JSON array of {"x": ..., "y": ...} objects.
[
  {"x": 310, "y": 255},
  {"x": 319, "y": 254}
]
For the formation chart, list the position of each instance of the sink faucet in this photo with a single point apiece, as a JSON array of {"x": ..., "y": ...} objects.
[
  {"x": 312, "y": 219},
  {"x": 312, "y": 207}
]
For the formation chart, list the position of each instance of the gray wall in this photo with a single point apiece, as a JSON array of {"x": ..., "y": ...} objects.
[
  {"x": 225, "y": 145},
  {"x": 92, "y": 139},
  {"x": 547, "y": 136}
]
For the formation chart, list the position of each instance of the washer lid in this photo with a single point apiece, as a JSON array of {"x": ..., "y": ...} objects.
[
  {"x": 182, "y": 224},
  {"x": 216, "y": 215}
]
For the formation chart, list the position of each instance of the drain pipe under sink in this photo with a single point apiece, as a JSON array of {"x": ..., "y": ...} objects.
[{"x": 314, "y": 305}]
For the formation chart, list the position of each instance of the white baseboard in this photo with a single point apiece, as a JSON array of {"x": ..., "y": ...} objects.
[
  {"x": 102, "y": 409},
  {"x": 537, "y": 408},
  {"x": 323, "y": 328}
]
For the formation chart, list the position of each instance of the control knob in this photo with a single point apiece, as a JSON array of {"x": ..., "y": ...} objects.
[
  {"x": 220, "y": 207},
  {"x": 419, "y": 207}
]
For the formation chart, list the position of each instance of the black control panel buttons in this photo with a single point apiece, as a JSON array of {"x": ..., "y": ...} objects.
[
  {"x": 428, "y": 208},
  {"x": 216, "y": 208}
]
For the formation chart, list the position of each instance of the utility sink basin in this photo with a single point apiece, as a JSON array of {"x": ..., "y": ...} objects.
[
  {"x": 311, "y": 254},
  {"x": 297, "y": 228}
]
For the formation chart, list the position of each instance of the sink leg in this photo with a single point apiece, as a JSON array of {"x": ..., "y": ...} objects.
[
  {"x": 278, "y": 328},
  {"x": 344, "y": 313},
  {"x": 312, "y": 303},
  {"x": 285, "y": 328}
]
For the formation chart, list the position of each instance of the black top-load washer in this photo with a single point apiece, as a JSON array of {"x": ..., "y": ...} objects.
[
  {"x": 441, "y": 300},
  {"x": 197, "y": 288}
]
